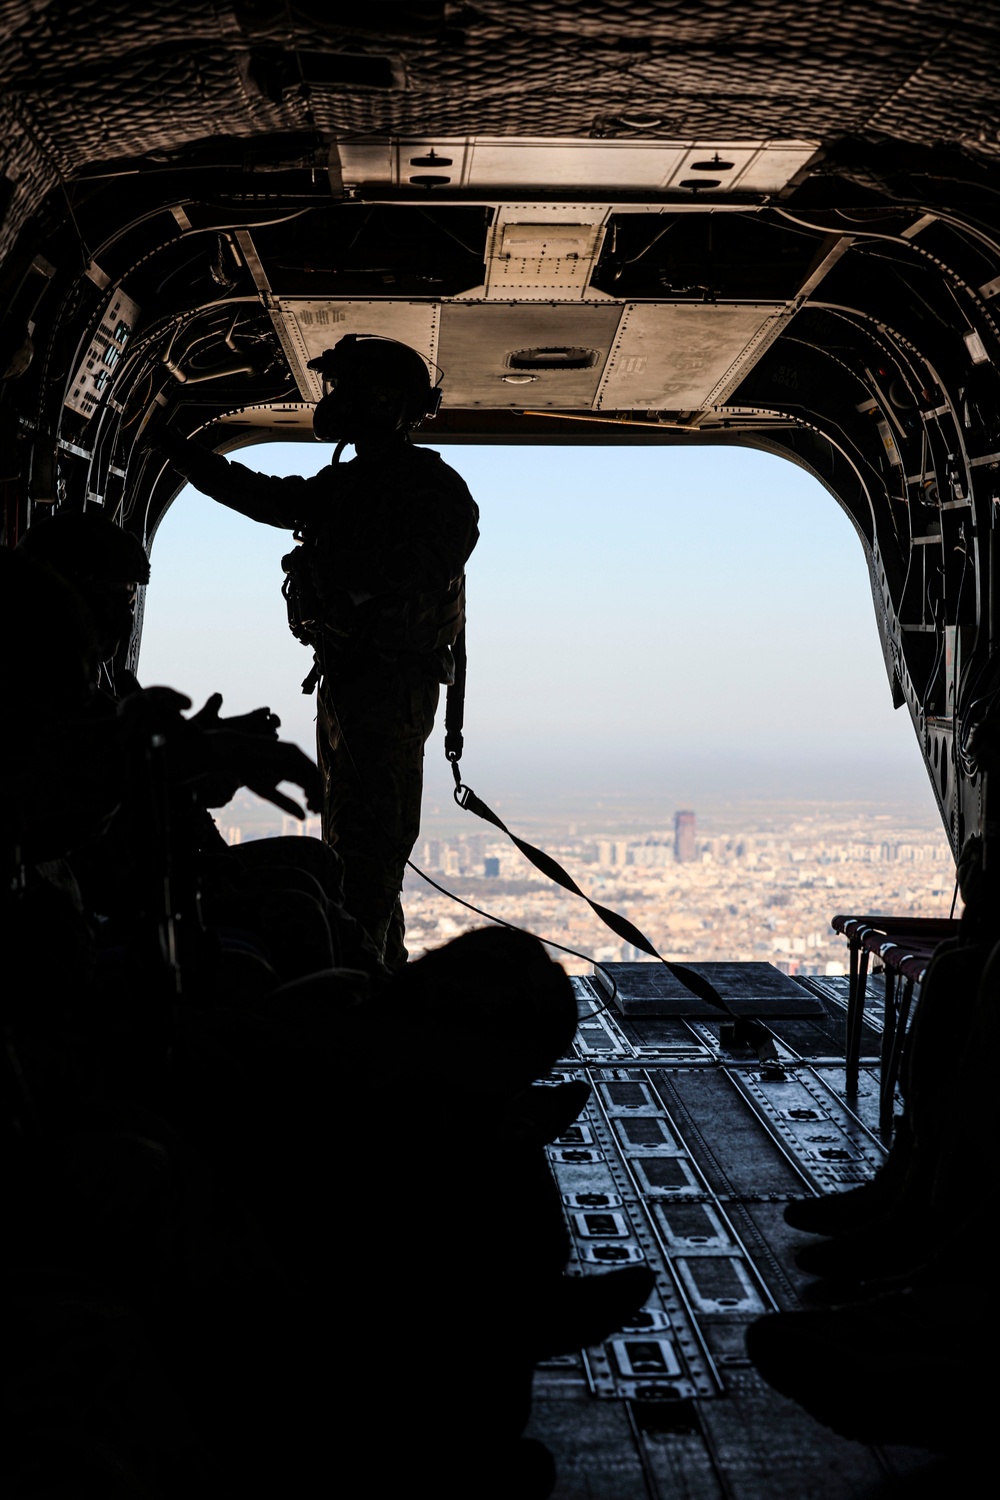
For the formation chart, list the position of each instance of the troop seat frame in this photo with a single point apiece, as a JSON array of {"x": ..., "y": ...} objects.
[{"x": 905, "y": 947}]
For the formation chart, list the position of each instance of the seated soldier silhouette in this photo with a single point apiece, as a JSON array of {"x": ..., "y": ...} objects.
[
  {"x": 289, "y": 891},
  {"x": 219, "y": 1194}
]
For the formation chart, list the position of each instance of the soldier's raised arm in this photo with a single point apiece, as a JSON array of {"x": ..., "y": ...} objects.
[{"x": 286, "y": 501}]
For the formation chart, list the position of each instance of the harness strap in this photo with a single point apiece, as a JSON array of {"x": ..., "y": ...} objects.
[
  {"x": 619, "y": 925},
  {"x": 454, "y": 712}
]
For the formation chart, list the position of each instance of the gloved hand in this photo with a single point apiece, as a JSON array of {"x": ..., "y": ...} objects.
[
  {"x": 215, "y": 759},
  {"x": 257, "y": 721},
  {"x": 259, "y": 764},
  {"x": 179, "y": 452}
]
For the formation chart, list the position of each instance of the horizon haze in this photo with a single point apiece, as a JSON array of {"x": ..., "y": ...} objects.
[{"x": 680, "y": 626}]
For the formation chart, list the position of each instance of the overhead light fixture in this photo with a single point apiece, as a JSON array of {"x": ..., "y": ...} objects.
[
  {"x": 431, "y": 160},
  {"x": 562, "y": 358},
  {"x": 639, "y": 120}
]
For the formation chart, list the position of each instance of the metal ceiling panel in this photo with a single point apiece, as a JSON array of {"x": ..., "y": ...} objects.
[
  {"x": 714, "y": 169},
  {"x": 649, "y": 356},
  {"x": 478, "y": 340},
  {"x": 566, "y": 163},
  {"x": 309, "y": 326},
  {"x": 685, "y": 356},
  {"x": 537, "y": 256},
  {"x": 773, "y": 166},
  {"x": 571, "y": 163},
  {"x": 740, "y": 167}
]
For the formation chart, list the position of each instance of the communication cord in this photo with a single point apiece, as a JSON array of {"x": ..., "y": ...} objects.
[{"x": 502, "y": 922}]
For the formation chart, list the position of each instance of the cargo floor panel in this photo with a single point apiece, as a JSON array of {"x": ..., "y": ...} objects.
[
  {"x": 745, "y": 989},
  {"x": 684, "y": 1159},
  {"x": 698, "y": 1034},
  {"x": 824, "y": 1037},
  {"x": 733, "y": 1149}
]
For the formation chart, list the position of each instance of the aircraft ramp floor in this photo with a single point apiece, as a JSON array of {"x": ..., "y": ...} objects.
[{"x": 684, "y": 1159}]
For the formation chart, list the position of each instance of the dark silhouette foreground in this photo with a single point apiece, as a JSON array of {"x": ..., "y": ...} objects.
[
  {"x": 235, "y": 1267},
  {"x": 892, "y": 1350}
]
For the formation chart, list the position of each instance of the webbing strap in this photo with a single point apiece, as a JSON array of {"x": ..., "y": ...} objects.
[
  {"x": 454, "y": 713},
  {"x": 621, "y": 926}
]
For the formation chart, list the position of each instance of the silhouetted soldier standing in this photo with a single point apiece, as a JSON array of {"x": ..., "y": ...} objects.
[{"x": 377, "y": 589}]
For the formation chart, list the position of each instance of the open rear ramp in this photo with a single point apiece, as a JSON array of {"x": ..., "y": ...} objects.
[{"x": 685, "y": 1157}]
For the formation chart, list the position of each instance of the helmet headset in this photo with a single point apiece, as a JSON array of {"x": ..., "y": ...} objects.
[{"x": 372, "y": 384}]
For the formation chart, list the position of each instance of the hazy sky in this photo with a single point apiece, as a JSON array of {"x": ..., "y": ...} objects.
[{"x": 685, "y": 624}]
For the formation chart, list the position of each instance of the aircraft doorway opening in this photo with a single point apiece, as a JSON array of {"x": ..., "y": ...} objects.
[{"x": 650, "y": 632}]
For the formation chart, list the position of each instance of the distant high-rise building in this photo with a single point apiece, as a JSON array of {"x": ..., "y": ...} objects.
[
  {"x": 684, "y": 845},
  {"x": 491, "y": 866}
]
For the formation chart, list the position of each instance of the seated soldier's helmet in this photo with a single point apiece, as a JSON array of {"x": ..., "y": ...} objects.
[
  {"x": 102, "y": 561},
  {"x": 371, "y": 383},
  {"x": 88, "y": 548}
]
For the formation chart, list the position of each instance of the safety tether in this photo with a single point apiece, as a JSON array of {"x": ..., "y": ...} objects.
[
  {"x": 454, "y": 709},
  {"x": 553, "y": 870}
]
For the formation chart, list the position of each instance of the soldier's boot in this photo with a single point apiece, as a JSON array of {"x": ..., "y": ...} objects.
[
  {"x": 544, "y": 1112},
  {"x": 584, "y": 1310},
  {"x": 840, "y": 1213},
  {"x": 938, "y": 1175},
  {"x": 946, "y": 1015},
  {"x": 899, "y": 1368}
]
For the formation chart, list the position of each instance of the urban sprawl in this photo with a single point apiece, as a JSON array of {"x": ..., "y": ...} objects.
[{"x": 763, "y": 888}]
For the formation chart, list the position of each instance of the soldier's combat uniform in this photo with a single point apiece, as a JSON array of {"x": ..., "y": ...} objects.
[{"x": 376, "y": 587}]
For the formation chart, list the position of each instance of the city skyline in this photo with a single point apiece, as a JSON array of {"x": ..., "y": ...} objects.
[
  {"x": 750, "y": 896},
  {"x": 763, "y": 885}
]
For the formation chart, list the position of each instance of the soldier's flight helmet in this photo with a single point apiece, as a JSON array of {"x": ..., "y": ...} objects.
[
  {"x": 102, "y": 561},
  {"x": 88, "y": 548},
  {"x": 371, "y": 384}
]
